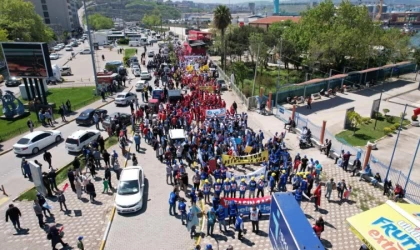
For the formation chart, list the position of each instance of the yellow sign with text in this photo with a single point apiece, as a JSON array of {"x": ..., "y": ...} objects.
[{"x": 228, "y": 160}]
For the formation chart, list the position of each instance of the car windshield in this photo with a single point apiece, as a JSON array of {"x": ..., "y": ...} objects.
[
  {"x": 84, "y": 114},
  {"x": 128, "y": 187},
  {"x": 23, "y": 141},
  {"x": 120, "y": 96}
]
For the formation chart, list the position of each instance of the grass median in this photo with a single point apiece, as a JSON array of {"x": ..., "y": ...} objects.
[
  {"x": 30, "y": 194},
  {"x": 79, "y": 97}
]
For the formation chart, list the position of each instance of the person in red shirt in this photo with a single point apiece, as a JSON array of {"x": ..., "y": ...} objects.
[
  {"x": 318, "y": 229},
  {"x": 173, "y": 122},
  {"x": 317, "y": 196}
]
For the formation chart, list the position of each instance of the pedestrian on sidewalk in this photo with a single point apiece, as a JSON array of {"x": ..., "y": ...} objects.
[
  {"x": 309, "y": 102},
  {"x": 114, "y": 159},
  {"x": 44, "y": 205},
  {"x": 62, "y": 200},
  {"x": 38, "y": 212},
  {"x": 47, "y": 157},
  {"x": 255, "y": 215},
  {"x": 97, "y": 159},
  {"x": 14, "y": 213},
  {"x": 62, "y": 113},
  {"x": 108, "y": 176},
  {"x": 182, "y": 208},
  {"x": 80, "y": 245},
  {"x": 27, "y": 170},
  {"x": 90, "y": 189},
  {"x": 134, "y": 159},
  {"x": 76, "y": 165},
  {"x": 239, "y": 226},
  {"x": 55, "y": 237},
  {"x": 137, "y": 141},
  {"x": 78, "y": 187},
  {"x": 105, "y": 156},
  {"x": 221, "y": 217},
  {"x": 330, "y": 186},
  {"x": 192, "y": 218},
  {"x": 96, "y": 120},
  {"x": 211, "y": 220},
  {"x": 91, "y": 167},
  {"x": 169, "y": 174},
  {"x": 71, "y": 176},
  {"x": 105, "y": 183},
  {"x": 232, "y": 211},
  {"x": 172, "y": 202},
  {"x": 52, "y": 175},
  {"x": 317, "y": 196},
  {"x": 47, "y": 183},
  {"x": 30, "y": 125}
]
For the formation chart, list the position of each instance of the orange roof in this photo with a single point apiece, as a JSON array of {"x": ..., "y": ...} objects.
[{"x": 275, "y": 19}]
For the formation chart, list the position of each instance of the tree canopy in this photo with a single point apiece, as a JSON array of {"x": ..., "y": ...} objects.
[
  {"x": 18, "y": 20},
  {"x": 221, "y": 19},
  {"x": 152, "y": 19},
  {"x": 99, "y": 22}
]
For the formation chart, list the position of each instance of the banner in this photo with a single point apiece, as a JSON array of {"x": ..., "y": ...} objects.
[
  {"x": 247, "y": 177},
  {"x": 228, "y": 160},
  {"x": 248, "y": 149},
  {"x": 216, "y": 112},
  {"x": 245, "y": 205},
  {"x": 206, "y": 88}
]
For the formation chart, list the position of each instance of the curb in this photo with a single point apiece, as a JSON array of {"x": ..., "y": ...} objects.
[{"x": 111, "y": 218}]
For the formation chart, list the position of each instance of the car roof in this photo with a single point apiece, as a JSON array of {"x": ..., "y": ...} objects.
[
  {"x": 80, "y": 133},
  {"x": 122, "y": 93},
  {"x": 130, "y": 173},
  {"x": 30, "y": 136},
  {"x": 88, "y": 111}
]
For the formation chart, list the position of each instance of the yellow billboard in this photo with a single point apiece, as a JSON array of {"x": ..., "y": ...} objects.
[{"x": 228, "y": 160}]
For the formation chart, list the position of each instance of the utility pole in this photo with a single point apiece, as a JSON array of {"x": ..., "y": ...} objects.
[
  {"x": 256, "y": 69},
  {"x": 92, "y": 51}
]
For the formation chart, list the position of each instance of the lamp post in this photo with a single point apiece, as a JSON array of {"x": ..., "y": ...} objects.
[{"x": 92, "y": 56}]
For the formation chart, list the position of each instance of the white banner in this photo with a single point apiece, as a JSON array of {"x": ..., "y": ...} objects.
[
  {"x": 247, "y": 177},
  {"x": 216, "y": 112}
]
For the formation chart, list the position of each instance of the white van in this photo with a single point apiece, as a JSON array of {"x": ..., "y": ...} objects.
[
  {"x": 134, "y": 43},
  {"x": 143, "y": 41},
  {"x": 158, "y": 37},
  {"x": 153, "y": 33}
]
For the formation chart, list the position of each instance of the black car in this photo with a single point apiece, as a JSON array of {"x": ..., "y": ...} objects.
[
  {"x": 86, "y": 117},
  {"x": 13, "y": 81},
  {"x": 125, "y": 119}
]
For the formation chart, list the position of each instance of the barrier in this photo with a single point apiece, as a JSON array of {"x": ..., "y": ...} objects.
[{"x": 282, "y": 113}]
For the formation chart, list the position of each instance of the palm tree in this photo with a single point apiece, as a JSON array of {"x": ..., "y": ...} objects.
[
  {"x": 355, "y": 119},
  {"x": 222, "y": 19}
]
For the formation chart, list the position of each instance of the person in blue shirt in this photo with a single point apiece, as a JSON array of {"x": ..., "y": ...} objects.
[
  {"x": 203, "y": 175},
  {"x": 206, "y": 191},
  {"x": 304, "y": 185},
  {"x": 299, "y": 194},
  {"x": 193, "y": 196},
  {"x": 182, "y": 208},
  {"x": 223, "y": 172},
  {"x": 137, "y": 141},
  {"x": 217, "y": 187},
  {"x": 217, "y": 173},
  {"x": 221, "y": 216},
  {"x": 232, "y": 211},
  {"x": 296, "y": 181},
  {"x": 260, "y": 186},
  {"x": 233, "y": 187},
  {"x": 242, "y": 188},
  {"x": 272, "y": 183},
  {"x": 239, "y": 226},
  {"x": 226, "y": 188},
  {"x": 172, "y": 202},
  {"x": 216, "y": 201},
  {"x": 283, "y": 181},
  {"x": 252, "y": 187}
]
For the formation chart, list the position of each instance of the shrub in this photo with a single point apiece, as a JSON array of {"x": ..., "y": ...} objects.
[
  {"x": 123, "y": 41},
  {"x": 386, "y": 111},
  {"x": 414, "y": 117},
  {"x": 390, "y": 119},
  {"x": 365, "y": 120},
  {"x": 395, "y": 126},
  {"x": 387, "y": 130},
  {"x": 379, "y": 115}
]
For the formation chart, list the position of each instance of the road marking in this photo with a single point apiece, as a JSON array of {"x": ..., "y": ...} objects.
[{"x": 3, "y": 200}]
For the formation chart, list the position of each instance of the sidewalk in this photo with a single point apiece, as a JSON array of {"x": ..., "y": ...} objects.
[{"x": 83, "y": 218}]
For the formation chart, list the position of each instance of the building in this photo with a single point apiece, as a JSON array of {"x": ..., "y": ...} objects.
[
  {"x": 252, "y": 7},
  {"x": 60, "y": 15},
  {"x": 264, "y": 23}
]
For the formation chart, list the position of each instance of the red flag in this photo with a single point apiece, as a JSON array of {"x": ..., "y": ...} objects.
[{"x": 65, "y": 187}]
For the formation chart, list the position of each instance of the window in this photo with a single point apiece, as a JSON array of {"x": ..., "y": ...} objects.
[
  {"x": 84, "y": 138},
  {"x": 44, "y": 7},
  {"x": 46, "y": 15},
  {"x": 43, "y": 2},
  {"x": 47, "y": 21}
]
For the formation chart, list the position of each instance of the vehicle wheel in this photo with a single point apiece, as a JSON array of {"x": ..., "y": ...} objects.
[
  {"x": 35, "y": 151},
  {"x": 91, "y": 122},
  {"x": 58, "y": 139}
]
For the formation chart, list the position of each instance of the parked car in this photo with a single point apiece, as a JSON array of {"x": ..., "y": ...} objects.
[
  {"x": 76, "y": 141},
  {"x": 54, "y": 56},
  {"x": 114, "y": 117},
  {"x": 124, "y": 98},
  {"x": 56, "y": 48},
  {"x": 144, "y": 75},
  {"x": 137, "y": 72},
  {"x": 85, "y": 51},
  {"x": 151, "y": 54},
  {"x": 33, "y": 142},
  {"x": 222, "y": 84},
  {"x": 130, "y": 189},
  {"x": 13, "y": 81},
  {"x": 66, "y": 70},
  {"x": 134, "y": 67},
  {"x": 140, "y": 85},
  {"x": 69, "y": 48},
  {"x": 86, "y": 117}
]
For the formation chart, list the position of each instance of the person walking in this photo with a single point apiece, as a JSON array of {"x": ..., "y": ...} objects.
[
  {"x": 260, "y": 187},
  {"x": 76, "y": 165},
  {"x": 169, "y": 174},
  {"x": 341, "y": 186},
  {"x": 80, "y": 244},
  {"x": 44, "y": 205},
  {"x": 309, "y": 102},
  {"x": 317, "y": 195},
  {"x": 330, "y": 186},
  {"x": 70, "y": 175},
  {"x": 105, "y": 156},
  {"x": 27, "y": 170},
  {"x": 108, "y": 176},
  {"x": 182, "y": 208},
  {"x": 55, "y": 237},
  {"x": 221, "y": 217},
  {"x": 78, "y": 186},
  {"x": 137, "y": 141},
  {"x": 52, "y": 175},
  {"x": 30, "y": 125},
  {"x": 62, "y": 200},
  {"x": 90, "y": 189},
  {"x": 47, "y": 183},
  {"x": 211, "y": 220},
  {"x": 47, "y": 157},
  {"x": 13, "y": 213},
  {"x": 318, "y": 228},
  {"x": 239, "y": 226},
  {"x": 254, "y": 216},
  {"x": 38, "y": 212},
  {"x": 252, "y": 186},
  {"x": 172, "y": 202},
  {"x": 97, "y": 159},
  {"x": 232, "y": 212},
  {"x": 62, "y": 113}
]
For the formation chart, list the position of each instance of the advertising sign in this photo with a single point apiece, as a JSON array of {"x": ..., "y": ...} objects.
[
  {"x": 228, "y": 160},
  {"x": 29, "y": 60},
  {"x": 245, "y": 205},
  {"x": 375, "y": 108},
  {"x": 247, "y": 177},
  {"x": 289, "y": 228},
  {"x": 216, "y": 112}
]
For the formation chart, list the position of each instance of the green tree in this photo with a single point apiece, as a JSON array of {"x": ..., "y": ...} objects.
[
  {"x": 20, "y": 21},
  {"x": 355, "y": 118},
  {"x": 3, "y": 35},
  {"x": 241, "y": 72},
  {"x": 416, "y": 57},
  {"x": 153, "y": 19},
  {"x": 222, "y": 18},
  {"x": 258, "y": 49},
  {"x": 99, "y": 22}
]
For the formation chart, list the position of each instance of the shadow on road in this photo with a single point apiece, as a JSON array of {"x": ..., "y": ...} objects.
[
  {"x": 386, "y": 87},
  {"x": 323, "y": 105}
]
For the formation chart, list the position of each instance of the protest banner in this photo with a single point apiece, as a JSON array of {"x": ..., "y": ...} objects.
[
  {"x": 228, "y": 160},
  {"x": 206, "y": 88},
  {"x": 245, "y": 205},
  {"x": 247, "y": 177},
  {"x": 216, "y": 112},
  {"x": 248, "y": 149}
]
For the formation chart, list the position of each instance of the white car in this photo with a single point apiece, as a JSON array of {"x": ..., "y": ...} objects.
[
  {"x": 54, "y": 56},
  {"x": 134, "y": 67},
  {"x": 57, "y": 48},
  {"x": 85, "y": 51},
  {"x": 144, "y": 75},
  {"x": 124, "y": 98},
  {"x": 137, "y": 72},
  {"x": 68, "y": 48},
  {"x": 140, "y": 85},
  {"x": 129, "y": 196},
  {"x": 76, "y": 141},
  {"x": 32, "y": 143}
]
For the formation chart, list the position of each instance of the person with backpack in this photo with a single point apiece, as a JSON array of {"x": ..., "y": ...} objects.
[
  {"x": 232, "y": 211},
  {"x": 182, "y": 208},
  {"x": 239, "y": 226},
  {"x": 211, "y": 220},
  {"x": 330, "y": 186},
  {"x": 172, "y": 202},
  {"x": 221, "y": 216}
]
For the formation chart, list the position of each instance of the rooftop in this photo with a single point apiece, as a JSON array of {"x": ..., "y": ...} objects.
[{"x": 275, "y": 19}]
